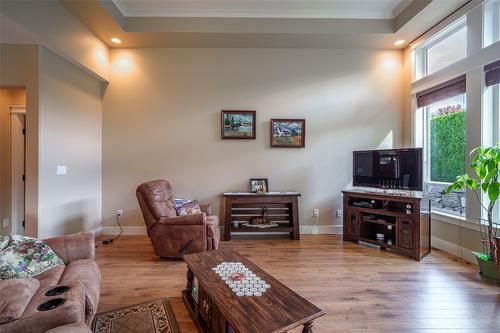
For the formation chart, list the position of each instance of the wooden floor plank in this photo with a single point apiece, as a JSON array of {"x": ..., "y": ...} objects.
[{"x": 361, "y": 288}]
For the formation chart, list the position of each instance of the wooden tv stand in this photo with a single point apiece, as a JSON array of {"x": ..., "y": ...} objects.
[{"x": 405, "y": 221}]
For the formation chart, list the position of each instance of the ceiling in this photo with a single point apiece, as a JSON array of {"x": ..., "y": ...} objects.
[
  {"x": 363, "y": 24},
  {"x": 363, "y": 9}
]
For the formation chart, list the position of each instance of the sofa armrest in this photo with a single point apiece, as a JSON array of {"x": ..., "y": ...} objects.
[
  {"x": 72, "y": 247},
  {"x": 207, "y": 209},
  {"x": 195, "y": 219}
]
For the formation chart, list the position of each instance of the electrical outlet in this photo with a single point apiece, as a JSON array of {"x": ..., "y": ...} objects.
[
  {"x": 339, "y": 213},
  {"x": 5, "y": 223},
  {"x": 316, "y": 212},
  {"x": 119, "y": 212}
]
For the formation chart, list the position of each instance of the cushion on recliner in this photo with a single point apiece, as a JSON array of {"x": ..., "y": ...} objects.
[
  {"x": 158, "y": 197},
  {"x": 50, "y": 277},
  {"x": 86, "y": 272},
  {"x": 16, "y": 295}
]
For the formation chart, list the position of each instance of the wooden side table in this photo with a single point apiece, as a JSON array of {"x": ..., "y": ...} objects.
[{"x": 282, "y": 209}]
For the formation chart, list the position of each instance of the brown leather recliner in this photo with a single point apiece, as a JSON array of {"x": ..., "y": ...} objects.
[{"x": 172, "y": 235}]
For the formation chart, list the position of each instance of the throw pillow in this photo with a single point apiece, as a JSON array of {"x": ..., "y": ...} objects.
[
  {"x": 188, "y": 208},
  {"x": 16, "y": 295},
  {"x": 26, "y": 257}
]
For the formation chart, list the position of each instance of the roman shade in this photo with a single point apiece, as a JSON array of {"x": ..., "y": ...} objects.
[
  {"x": 492, "y": 73},
  {"x": 442, "y": 91}
]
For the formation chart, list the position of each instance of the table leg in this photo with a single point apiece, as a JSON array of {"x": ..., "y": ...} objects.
[
  {"x": 227, "y": 219},
  {"x": 308, "y": 328},
  {"x": 295, "y": 218},
  {"x": 189, "y": 284}
]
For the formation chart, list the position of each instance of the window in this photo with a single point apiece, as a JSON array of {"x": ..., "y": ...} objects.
[
  {"x": 441, "y": 129},
  {"x": 491, "y": 22},
  {"x": 447, "y": 139},
  {"x": 443, "y": 49}
]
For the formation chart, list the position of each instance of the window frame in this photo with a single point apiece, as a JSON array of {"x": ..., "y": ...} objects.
[
  {"x": 491, "y": 23},
  {"x": 495, "y": 108},
  {"x": 423, "y": 116},
  {"x": 421, "y": 52},
  {"x": 426, "y": 131},
  {"x": 496, "y": 22},
  {"x": 491, "y": 136}
]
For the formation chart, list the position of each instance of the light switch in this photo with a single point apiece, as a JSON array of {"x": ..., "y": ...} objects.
[
  {"x": 5, "y": 223},
  {"x": 61, "y": 170}
]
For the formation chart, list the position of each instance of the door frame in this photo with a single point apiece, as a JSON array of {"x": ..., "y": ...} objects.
[{"x": 18, "y": 176}]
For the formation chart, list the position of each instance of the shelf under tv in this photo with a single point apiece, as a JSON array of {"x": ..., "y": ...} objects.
[
  {"x": 364, "y": 219},
  {"x": 380, "y": 211},
  {"x": 376, "y": 242},
  {"x": 243, "y": 228}
]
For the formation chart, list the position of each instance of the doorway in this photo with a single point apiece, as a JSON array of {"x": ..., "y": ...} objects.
[
  {"x": 18, "y": 161},
  {"x": 13, "y": 160}
]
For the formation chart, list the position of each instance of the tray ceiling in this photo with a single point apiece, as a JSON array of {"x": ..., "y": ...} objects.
[{"x": 363, "y": 9}]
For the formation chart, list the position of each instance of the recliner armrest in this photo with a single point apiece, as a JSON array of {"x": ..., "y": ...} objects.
[
  {"x": 195, "y": 219},
  {"x": 72, "y": 247},
  {"x": 207, "y": 209}
]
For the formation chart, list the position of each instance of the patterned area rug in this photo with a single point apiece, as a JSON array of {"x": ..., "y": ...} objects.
[{"x": 154, "y": 316}]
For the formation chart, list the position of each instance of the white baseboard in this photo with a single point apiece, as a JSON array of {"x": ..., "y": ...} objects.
[
  {"x": 141, "y": 230},
  {"x": 453, "y": 249},
  {"x": 321, "y": 229},
  {"x": 126, "y": 230}
]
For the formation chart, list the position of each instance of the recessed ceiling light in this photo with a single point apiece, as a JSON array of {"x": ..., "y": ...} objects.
[
  {"x": 116, "y": 40},
  {"x": 399, "y": 42}
]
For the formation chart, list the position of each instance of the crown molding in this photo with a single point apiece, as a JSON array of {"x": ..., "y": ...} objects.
[{"x": 261, "y": 13}]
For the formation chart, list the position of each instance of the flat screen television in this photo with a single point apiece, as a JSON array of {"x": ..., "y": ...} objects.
[{"x": 388, "y": 169}]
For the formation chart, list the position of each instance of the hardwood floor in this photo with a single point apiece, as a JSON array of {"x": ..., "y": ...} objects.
[{"x": 361, "y": 288}]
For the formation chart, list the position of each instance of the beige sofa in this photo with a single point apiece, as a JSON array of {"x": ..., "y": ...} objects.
[{"x": 80, "y": 273}]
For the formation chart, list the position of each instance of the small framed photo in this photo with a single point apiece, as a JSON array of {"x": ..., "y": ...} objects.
[
  {"x": 288, "y": 133},
  {"x": 259, "y": 185},
  {"x": 239, "y": 125}
]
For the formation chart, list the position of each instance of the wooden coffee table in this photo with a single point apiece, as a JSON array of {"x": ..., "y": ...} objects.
[{"x": 216, "y": 308}]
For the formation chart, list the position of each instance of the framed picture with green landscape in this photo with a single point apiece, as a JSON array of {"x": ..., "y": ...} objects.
[
  {"x": 288, "y": 133},
  {"x": 239, "y": 125}
]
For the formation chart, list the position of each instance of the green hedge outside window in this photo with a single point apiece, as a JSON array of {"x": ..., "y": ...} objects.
[{"x": 448, "y": 146}]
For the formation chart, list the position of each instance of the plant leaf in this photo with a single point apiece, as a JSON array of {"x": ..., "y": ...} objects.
[
  {"x": 490, "y": 175},
  {"x": 493, "y": 191}
]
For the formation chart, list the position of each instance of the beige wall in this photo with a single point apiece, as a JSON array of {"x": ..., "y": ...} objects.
[
  {"x": 48, "y": 23},
  {"x": 8, "y": 97},
  {"x": 70, "y": 134},
  {"x": 19, "y": 68},
  {"x": 162, "y": 120},
  {"x": 458, "y": 236},
  {"x": 407, "y": 119}
]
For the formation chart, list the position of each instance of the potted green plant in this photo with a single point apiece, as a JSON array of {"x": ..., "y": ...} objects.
[{"x": 486, "y": 164}]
